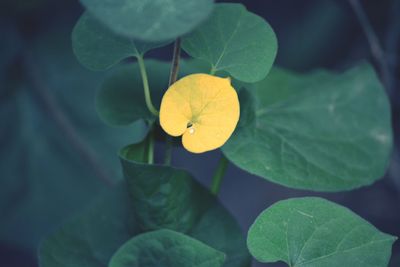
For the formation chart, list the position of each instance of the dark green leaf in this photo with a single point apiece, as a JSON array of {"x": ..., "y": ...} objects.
[
  {"x": 150, "y": 20},
  {"x": 236, "y": 41},
  {"x": 166, "y": 197},
  {"x": 315, "y": 232},
  {"x": 98, "y": 48},
  {"x": 168, "y": 249},
  {"x": 321, "y": 131},
  {"x": 91, "y": 239},
  {"x": 121, "y": 101}
]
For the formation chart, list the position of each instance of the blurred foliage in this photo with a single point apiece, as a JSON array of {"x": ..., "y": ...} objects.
[{"x": 54, "y": 146}]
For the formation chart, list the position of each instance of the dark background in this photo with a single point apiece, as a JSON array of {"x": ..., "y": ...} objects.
[{"x": 35, "y": 44}]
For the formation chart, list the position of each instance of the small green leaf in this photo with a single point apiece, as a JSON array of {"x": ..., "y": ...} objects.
[
  {"x": 92, "y": 238},
  {"x": 121, "y": 101},
  {"x": 321, "y": 131},
  {"x": 150, "y": 20},
  {"x": 236, "y": 41},
  {"x": 166, "y": 197},
  {"x": 315, "y": 232},
  {"x": 168, "y": 249},
  {"x": 98, "y": 48}
]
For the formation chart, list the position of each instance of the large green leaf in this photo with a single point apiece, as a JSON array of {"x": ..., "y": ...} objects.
[
  {"x": 315, "y": 232},
  {"x": 98, "y": 48},
  {"x": 320, "y": 131},
  {"x": 168, "y": 249},
  {"x": 171, "y": 199},
  {"x": 46, "y": 169},
  {"x": 150, "y": 20},
  {"x": 236, "y": 41},
  {"x": 166, "y": 197},
  {"x": 91, "y": 239}
]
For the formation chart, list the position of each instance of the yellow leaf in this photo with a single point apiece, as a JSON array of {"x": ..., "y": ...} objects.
[{"x": 204, "y": 109}]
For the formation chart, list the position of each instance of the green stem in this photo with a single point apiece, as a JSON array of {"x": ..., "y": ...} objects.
[
  {"x": 146, "y": 88},
  {"x": 213, "y": 70},
  {"x": 219, "y": 175},
  {"x": 172, "y": 79},
  {"x": 150, "y": 146}
]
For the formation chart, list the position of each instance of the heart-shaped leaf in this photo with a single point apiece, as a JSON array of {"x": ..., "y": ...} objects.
[
  {"x": 236, "y": 41},
  {"x": 315, "y": 232},
  {"x": 321, "y": 131},
  {"x": 150, "y": 20},
  {"x": 98, "y": 48},
  {"x": 168, "y": 249},
  {"x": 166, "y": 197},
  {"x": 203, "y": 109}
]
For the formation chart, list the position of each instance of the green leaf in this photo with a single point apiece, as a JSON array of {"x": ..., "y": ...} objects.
[
  {"x": 150, "y": 20},
  {"x": 236, "y": 41},
  {"x": 315, "y": 232},
  {"x": 91, "y": 239},
  {"x": 44, "y": 168},
  {"x": 320, "y": 131},
  {"x": 98, "y": 48},
  {"x": 168, "y": 249},
  {"x": 121, "y": 101},
  {"x": 166, "y": 197}
]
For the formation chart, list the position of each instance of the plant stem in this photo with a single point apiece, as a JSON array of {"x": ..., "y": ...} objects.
[
  {"x": 376, "y": 49},
  {"x": 172, "y": 79},
  {"x": 175, "y": 62},
  {"x": 213, "y": 70},
  {"x": 219, "y": 175},
  {"x": 146, "y": 88},
  {"x": 150, "y": 146}
]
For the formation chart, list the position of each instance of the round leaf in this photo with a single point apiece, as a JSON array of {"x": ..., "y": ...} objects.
[
  {"x": 321, "y": 131},
  {"x": 98, "y": 48},
  {"x": 150, "y": 20},
  {"x": 236, "y": 41},
  {"x": 315, "y": 232},
  {"x": 204, "y": 109},
  {"x": 168, "y": 249}
]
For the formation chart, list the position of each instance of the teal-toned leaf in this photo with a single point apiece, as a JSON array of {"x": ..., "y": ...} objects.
[
  {"x": 150, "y": 20},
  {"x": 91, "y": 239},
  {"x": 44, "y": 168},
  {"x": 168, "y": 249},
  {"x": 121, "y": 101},
  {"x": 236, "y": 41},
  {"x": 321, "y": 131},
  {"x": 315, "y": 232},
  {"x": 98, "y": 48},
  {"x": 166, "y": 197}
]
